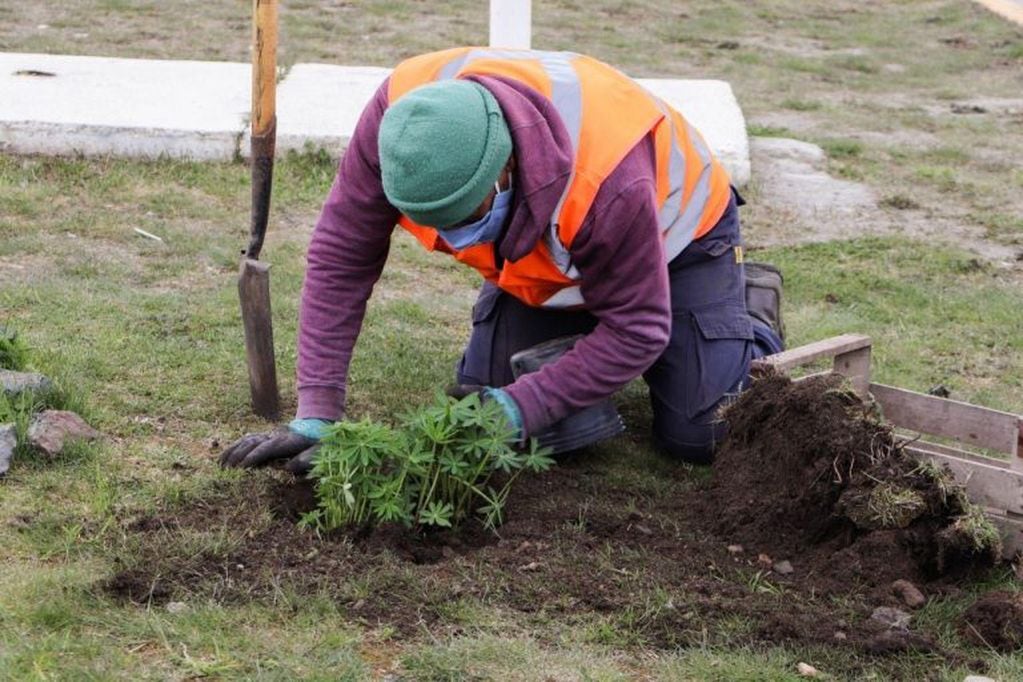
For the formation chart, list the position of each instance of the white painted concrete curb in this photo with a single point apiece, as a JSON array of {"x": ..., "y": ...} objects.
[
  {"x": 122, "y": 107},
  {"x": 199, "y": 110}
]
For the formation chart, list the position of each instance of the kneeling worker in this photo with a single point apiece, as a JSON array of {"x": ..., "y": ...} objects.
[{"x": 588, "y": 205}]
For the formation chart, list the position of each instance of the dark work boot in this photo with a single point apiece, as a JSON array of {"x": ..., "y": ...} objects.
[{"x": 763, "y": 295}]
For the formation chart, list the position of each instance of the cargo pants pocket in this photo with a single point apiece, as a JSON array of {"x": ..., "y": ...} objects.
[{"x": 718, "y": 350}]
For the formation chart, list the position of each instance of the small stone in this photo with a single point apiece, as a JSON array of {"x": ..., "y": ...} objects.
[
  {"x": 784, "y": 567},
  {"x": 806, "y": 670},
  {"x": 978, "y": 678},
  {"x": 643, "y": 529},
  {"x": 8, "y": 441},
  {"x": 530, "y": 567},
  {"x": 19, "y": 382},
  {"x": 910, "y": 595},
  {"x": 177, "y": 607},
  {"x": 765, "y": 560},
  {"x": 735, "y": 549},
  {"x": 840, "y": 636},
  {"x": 897, "y": 619},
  {"x": 51, "y": 429}
]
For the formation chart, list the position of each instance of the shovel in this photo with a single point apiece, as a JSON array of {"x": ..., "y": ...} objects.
[{"x": 254, "y": 275}]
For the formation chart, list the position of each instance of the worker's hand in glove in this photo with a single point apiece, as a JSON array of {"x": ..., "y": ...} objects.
[
  {"x": 500, "y": 396},
  {"x": 297, "y": 443}
]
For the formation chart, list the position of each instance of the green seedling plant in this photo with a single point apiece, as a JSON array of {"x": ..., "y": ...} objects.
[{"x": 441, "y": 465}]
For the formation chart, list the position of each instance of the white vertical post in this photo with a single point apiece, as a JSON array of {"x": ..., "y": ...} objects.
[{"x": 511, "y": 23}]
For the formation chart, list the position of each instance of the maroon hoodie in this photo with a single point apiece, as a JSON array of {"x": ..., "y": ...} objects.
[{"x": 617, "y": 251}]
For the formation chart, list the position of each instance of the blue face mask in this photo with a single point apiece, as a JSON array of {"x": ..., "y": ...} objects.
[{"x": 487, "y": 229}]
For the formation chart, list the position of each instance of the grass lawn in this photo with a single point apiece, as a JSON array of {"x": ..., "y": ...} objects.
[{"x": 145, "y": 337}]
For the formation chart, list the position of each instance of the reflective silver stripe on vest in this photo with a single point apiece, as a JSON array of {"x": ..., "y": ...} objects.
[
  {"x": 671, "y": 209},
  {"x": 566, "y": 298},
  {"x": 680, "y": 235},
  {"x": 559, "y": 253}
]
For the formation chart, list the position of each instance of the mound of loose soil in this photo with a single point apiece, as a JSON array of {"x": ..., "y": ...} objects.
[
  {"x": 995, "y": 620},
  {"x": 790, "y": 516},
  {"x": 810, "y": 470}
]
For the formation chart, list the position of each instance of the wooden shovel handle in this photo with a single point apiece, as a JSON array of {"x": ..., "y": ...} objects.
[
  {"x": 264, "y": 65},
  {"x": 264, "y": 120}
]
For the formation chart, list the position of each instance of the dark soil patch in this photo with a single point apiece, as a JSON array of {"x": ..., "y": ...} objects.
[
  {"x": 656, "y": 561},
  {"x": 996, "y": 621}
]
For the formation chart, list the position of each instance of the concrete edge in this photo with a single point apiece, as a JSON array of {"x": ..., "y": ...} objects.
[{"x": 61, "y": 139}]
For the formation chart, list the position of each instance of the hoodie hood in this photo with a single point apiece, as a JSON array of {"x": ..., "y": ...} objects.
[{"x": 543, "y": 162}]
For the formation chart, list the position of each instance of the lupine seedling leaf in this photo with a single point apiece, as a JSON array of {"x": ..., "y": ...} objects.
[{"x": 431, "y": 470}]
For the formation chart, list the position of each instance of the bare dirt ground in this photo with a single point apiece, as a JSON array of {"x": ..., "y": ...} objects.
[
  {"x": 781, "y": 542},
  {"x": 805, "y": 204}
]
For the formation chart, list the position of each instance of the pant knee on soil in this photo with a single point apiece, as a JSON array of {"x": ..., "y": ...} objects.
[{"x": 692, "y": 443}]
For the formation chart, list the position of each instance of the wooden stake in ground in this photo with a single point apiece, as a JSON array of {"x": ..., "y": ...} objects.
[{"x": 254, "y": 276}]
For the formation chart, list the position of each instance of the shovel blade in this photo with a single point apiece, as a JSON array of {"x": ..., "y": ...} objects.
[{"x": 254, "y": 294}]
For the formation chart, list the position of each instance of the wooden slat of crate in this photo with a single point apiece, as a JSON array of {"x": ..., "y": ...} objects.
[
  {"x": 828, "y": 348},
  {"x": 1012, "y": 533},
  {"x": 961, "y": 454},
  {"x": 971, "y": 425},
  {"x": 986, "y": 484}
]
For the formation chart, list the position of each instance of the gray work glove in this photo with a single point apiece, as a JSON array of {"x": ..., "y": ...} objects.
[{"x": 297, "y": 443}]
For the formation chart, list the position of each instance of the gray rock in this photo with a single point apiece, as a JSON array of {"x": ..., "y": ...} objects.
[
  {"x": 8, "y": 441},
  {"x": 910, "y": 595},
  {"x": 50, "y": 430},
  {"x": 978, "y": 678},
  {"x": 18, "y": 382},
  {"x": 784, "y": 567},
  {"x": 806, "y": 670},
  {"x": 896, "y": 619}
]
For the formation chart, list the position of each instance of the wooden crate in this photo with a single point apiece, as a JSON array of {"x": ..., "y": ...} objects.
[{"x": 996, "y": 484}]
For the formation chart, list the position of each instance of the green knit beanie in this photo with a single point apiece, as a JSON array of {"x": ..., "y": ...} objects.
[{"x": 442, "y": 147}]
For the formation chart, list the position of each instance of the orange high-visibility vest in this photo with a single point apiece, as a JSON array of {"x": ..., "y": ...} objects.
[{"x": 606, "y": 115}]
